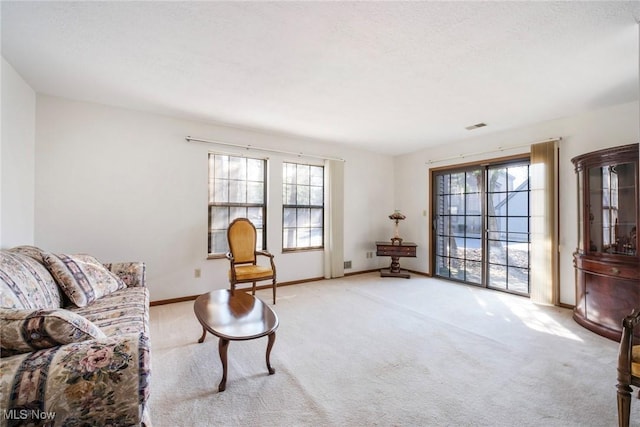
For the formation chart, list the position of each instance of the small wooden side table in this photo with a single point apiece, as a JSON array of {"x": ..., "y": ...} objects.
[{"x": 395, "y": 251}]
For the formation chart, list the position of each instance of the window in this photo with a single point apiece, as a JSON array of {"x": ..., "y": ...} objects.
[
  {"x": 236, "y": 190},
  {"x": 302, "y": 206},
  {"x": 482, "y": 225}
]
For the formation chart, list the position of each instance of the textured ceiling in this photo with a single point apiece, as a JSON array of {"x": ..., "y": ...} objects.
[{"x": 391, "y": 77}]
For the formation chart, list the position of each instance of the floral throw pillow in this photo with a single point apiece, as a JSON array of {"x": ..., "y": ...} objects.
[
  {"x": 24, "y": 331},
  {"x": 82, "y": 278},
  {"x": 30, "y": 251}
]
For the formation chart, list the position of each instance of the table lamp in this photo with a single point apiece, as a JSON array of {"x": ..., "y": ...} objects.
[{"x": 396, "y": 216}]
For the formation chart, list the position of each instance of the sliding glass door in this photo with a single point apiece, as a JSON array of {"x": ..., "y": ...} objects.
[{"x": 481, "y": 225}]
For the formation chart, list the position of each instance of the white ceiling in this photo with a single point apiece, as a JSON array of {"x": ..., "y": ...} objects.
[{"x": 390, "y": 77}]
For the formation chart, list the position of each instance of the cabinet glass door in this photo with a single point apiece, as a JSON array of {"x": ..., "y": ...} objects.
[
  {"x": 612, "y": 209},
  {"x": 580, "y": 210}
]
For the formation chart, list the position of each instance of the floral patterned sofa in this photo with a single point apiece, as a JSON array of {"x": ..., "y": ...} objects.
[{"x": 74, "y": 340}]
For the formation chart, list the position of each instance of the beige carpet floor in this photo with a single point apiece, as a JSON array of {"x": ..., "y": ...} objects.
[{"x": 371, "y": 351}]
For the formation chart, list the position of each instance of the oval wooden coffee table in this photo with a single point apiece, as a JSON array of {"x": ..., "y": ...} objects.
[{"x": 236, "y": 317}]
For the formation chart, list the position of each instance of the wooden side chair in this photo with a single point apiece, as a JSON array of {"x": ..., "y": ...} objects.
[
  {"x": 628, "y": 366},
  {"x": 243, "y": 255}
]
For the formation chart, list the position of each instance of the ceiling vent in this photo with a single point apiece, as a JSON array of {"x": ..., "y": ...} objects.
[{"x": 476, "y": 126}]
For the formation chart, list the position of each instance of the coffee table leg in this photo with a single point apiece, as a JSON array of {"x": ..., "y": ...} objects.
[
  {"x": 204, "y": 334},
  {"x": 223, "y": 345},
  {"x": 272, "y": 338}
]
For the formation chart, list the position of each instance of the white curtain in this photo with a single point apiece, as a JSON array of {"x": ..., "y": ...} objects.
[
  {"x": 544, "y": 223},
  {"x": 334, "y": 219}
]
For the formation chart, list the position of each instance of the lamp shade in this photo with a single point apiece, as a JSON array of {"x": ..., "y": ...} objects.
[{"x": 396, "y": 216}]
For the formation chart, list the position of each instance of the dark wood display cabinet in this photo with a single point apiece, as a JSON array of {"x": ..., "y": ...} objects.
[{"x": 606, "y": 259}]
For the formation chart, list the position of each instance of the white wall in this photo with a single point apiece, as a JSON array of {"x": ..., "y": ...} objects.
[
  {"x": 17, "y": 157},
  {"x": 603, "y": 128},
  {"x": 125, "y": 185}
]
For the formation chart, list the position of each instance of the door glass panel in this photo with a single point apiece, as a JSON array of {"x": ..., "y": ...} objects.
[
  {"x": 442, "y": 266},
  {"x": 473, "y": 272},
  {"x": 473, "y": 249},
  {"x": 518, "y": 280},
  {"x": 498, "y": 277},
  {"x": 458, "y": 234},
  {"x": 508, "y": 236},
  {"x": 456, "y": 205},
  {"x": 497, "y": 253},
  {"x": 518, "y": 254}
]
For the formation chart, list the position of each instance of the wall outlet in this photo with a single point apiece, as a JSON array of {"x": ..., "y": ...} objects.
[
  {"x": 369, "y": 254},
  {"x": 197, "y": 273},
  {"x": 347, "y": 264}
]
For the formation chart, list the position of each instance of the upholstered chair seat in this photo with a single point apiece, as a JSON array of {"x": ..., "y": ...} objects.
[
  {"x": 251, "y": 272},
  {"x": 635, "y": 361}
]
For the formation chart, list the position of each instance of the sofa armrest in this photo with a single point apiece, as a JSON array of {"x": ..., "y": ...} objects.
[
  {"x": 132, "y": 273},
  {"x": 95, "y": 382}
]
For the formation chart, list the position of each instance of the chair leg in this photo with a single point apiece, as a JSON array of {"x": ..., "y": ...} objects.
[
  {"x": 274, "y": 292},
  {"x": 253, "y": 290},
  {"x": 624, "y": 405},
  {"x": 233, "y": 288}
]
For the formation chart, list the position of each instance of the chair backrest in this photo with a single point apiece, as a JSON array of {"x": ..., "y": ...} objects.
[{"x": 241, "y": 237}]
